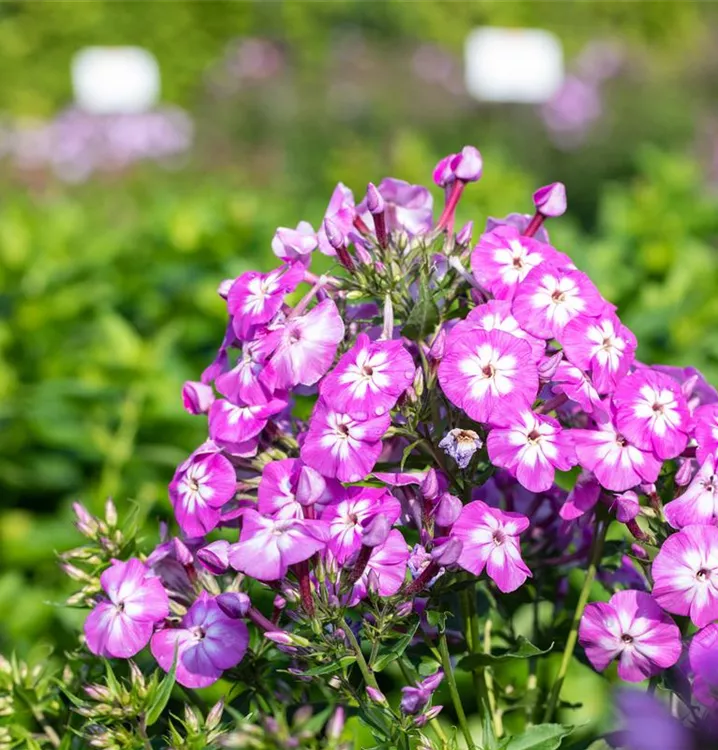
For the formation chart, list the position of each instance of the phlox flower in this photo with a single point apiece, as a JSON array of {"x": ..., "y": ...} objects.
[
  {"x": 239, "y": 423},
  {"x": 652, "y": 413},
  {"x": 336, "y": 445},
  {"x": 121, "y": 625},
  {"x": 341, "y": 212},
  {"x": 369, "y": 378},
  {"x": 200, "y": 487},
  {"x": 385, "y": 571},
  {"x": 706, "y": 430},
  {"x": 461, "y": 445},
  {"x": 197, "y": 397},
  {"x": 288, "y": 486},
  {"x": 268, "y": 546},
  {"x": 504, "y": 257},
  {"x": 490, "y": 540},
  {"x": 483, "y": 372},
  {"x": 602, "y": 346},
  {"x": 574, "y": 383},
  {"x": 206, "y": 643},
  {"x": 407, "y": 207},
  {"x": 685, "y": 574},
  {"x": 294, "y": 244},
  {"x": 531, "y": 447},
  {"x": 632, "y": 628},
  {"x": 415, "y": 697},
  {"x": 249, "y": 381},
  {"x": 703, "y": 658},
  {"x": 699, "y": 503},
  {"x": 582, "y": 498},
  {"x": 550, "y": 297},
  {"x": 255, "y": 298}
]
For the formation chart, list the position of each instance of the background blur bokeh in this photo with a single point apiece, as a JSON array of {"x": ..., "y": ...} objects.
[{"x": 115, "y": 230}]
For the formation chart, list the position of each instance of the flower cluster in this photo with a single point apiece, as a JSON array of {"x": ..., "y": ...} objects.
[{"x": 386, "y": 432}]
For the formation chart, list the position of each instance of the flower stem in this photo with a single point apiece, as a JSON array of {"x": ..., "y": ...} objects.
[
  {"x": 596, "y": 550},
  {"x": 367, "y": 674},
  {"x": 453, "y": 690}
]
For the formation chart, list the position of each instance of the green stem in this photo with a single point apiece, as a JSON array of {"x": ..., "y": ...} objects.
[
  {"x": 361, "y": 661},
  {"x": 596, "y": 549},
  {"x": 493, "y": 708},
  {"x": 453, "y": 690}
]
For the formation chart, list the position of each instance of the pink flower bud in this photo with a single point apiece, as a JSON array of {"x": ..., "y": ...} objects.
[
  {"x": 335, "y": 725},
  {"x": 550, "y": 200},
  {"x": 443, "y": 173},
  {"x": 197, "y": 397},
  {"x": 468, "y": 165},
  {"x": 214, "y": 556},
  {"x": 335, "y": 236},
  {"x": 463, "y": 236},
  {"x": 234, "y": 604},
  {"x": 279, "y": 602},
  {"x": 548, "y": 366},
  {"x": 310, "y": 486},
  {"x": 376, "y": 696},
  {"x": 447, "y": 510},
  {"x": 639, "y": 551},
  {"x": 626, "y": 506},
  {"x": 430, "y": 485},
  {"x": 404, "y": 609},
  {"x": 374, "y": 200},
  {"x": 684, "y": 473},
  {"x": 448, "y": 552},
  {"x": 438, "y": 347},
  {"x": 427, "y": 716}
]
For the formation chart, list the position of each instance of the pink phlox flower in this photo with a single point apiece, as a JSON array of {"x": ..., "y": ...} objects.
[
  {"x": 699, "y": 503},
  {"x": 238, "y": 423},
  {"x": 504, "y": 257},
  {"x": 626, "y": 505},
  {"x": 632, "y": 628},
  {"x": 697, "y": 390},
  {"x": 249, "y": 381},
  {"x": 288, "y": 487},
  {"x": 466, "y": 166},
  {"x": 122, "y": 625},
  {"x": 255, "y": 298},
  {"x": 582, "y": 498},
  {"x": 368, "y": 380},
  {"x": 295, "y": 244},
  {"x": 200, "y": 487},
  {"x": 531, "y": 447},
  {"x": 407, "y": 207},
  {"x": 652, "y": 413},
  {"x": 206, "y": 643},
  {"x": 197, "y": 397},
  {"x": 703, "y": 659},
  {"x": 602, "y": 346},
  {"x": 268, "y": 546},
  {"x": 490, "y": 539},
  {"x": 385, "y": 571},
  {"x": 483, "y": 372},
  {"x": 347, "y": 517},
  {"x": 302, "y": 348},
  {"x": 339, "y": 446},
  {"x": 341, "y": 212},
  {"x": 574, "y": 383},
  {"x": 550, "y": 297},
  {"x": 685, "y": 574},
  {"x": 171, "y": 560},
  {"x": 706, "y": 431}
]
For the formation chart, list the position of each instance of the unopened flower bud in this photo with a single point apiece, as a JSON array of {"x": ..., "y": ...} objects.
[
  {"x": 215, "y": 715},
  {"x": 468, "y": 165},
  {"x": 443, "y": 173},
  {"x": 110, "y": 513},
  {"x": 376, "y": 531},
  {"x": 438, "y": 346},
  {"x": 190, "y": 719},
  {"x": 215, "y": 556},
  {"x": 311, "y": 486},
  {"x": 430, "y": 485},
  {"x": 548, "y": 366},
  {"x": 463, "y": 236},
  {"x": 279, "y": 602},
  {"x": 550, "y": 200},
  {"x": 363, "y": 255},
  {"x": 404, "y": 609},
  {"x": 427, "y": 716},
  {"x": 447, "y": 510},
  {"x": 374, "y": 200},
  {"x": 684, "y": 473},
  {"x": 418, "y": 382},
  {"x": 73, "y": 572},
  {"x": 224, "y": 287},
  {"x": 372, "y": 581},
  {"x": 335, "y": 725},
  {"x": 197, "y": 397},
  {"x": 376, "y": 696},
  {"x": 626, "y": 506},
  {"x": 335, "y": 236},
  {"x": 639, "y": 551},
  {"x": 98, "y": 692},
  {"x": 283, "y": 638},
  {"x": 86, "y": 522},
  {"x": 234, "y": 604}
]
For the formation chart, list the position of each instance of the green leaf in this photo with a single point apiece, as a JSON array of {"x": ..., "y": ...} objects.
[
  {"x": 424, "y": 316},
  {"x": 540, "y": 737},
  {"x": 162, "y": 695},
  {"x": 332, "y": 666},
  {"x": 396, "y": 650},
  {"x": 407, "y": 452},
  {"x": 524, "y": 650}
]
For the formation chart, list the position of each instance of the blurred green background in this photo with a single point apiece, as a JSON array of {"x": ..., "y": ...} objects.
[{"x": 109, "y": 265}]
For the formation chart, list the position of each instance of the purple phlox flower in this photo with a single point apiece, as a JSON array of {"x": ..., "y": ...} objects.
[
  {"x": 249, "y": 381},
  {"x": 550, "y": 200},
  {"x": 532, "y": 447},
  {"x": 347, "y": 518},
  {"x": 632, "y": 628},
  {"x": 237, "y": 424},
  {"x": 268, "y": 546},
  {"x": 703, "y": 659},
  {"x": 408, "y": 208},
  {"x": 652, "y": 413},
  {"x": 685, "y": 574},
  {"x": 461, "y": 445},
  {"x": 295, "y": 244},
  {"x": 385, "y": 570},
  {"x": 341, "y": 212},
  {"x": 483, "y": 372},
  {"x": 446, "y": 551},
  {"x": 574, "y": 383},
  {"x": 121, "y": 625},
  {"x": 200, "y": 487},
  {"x": 602, "y": 346},
  {"x": 626, "y": 506},
  {"x": 503, "y": 259},
  {"x": 234, "y": 604},
  {"x": 496, "y": 315},
  {"x": 215, "y": 556},
  {"x": 337, "y": 445},
  {"x": 617, "y": 463},
  {"x": 171, "y": 560},
  {"x": 520, "y": 222},
  {"x": 549, "y": 298},
  {"x": 302, "y": 348},
  {"x": 627, "y": 575},
  {"x": 197, "y": 397},
  {"x": 288, "y": 486},
  {"x": 649, "y": 724},
  {"x": 706, "y": 431},
  {"x": 490, "y": 539},
  {"x": 415, "y": 697},
  {"x": 368, "y": 380},
  {"x": 699, "y": 503},
  {"x": 255, "y": 298},
  {"x": 206, "y": 643}
]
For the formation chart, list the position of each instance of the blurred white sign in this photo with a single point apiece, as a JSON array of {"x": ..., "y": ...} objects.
[
  {"x": 115, "y": 80},
  {"x": 513, "y": 65}
]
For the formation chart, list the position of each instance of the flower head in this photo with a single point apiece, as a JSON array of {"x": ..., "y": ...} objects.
[
  {"x": 288, "y": 486},
  {"x": 699, "y": 503},
  {"x": 461, "y": 445}
]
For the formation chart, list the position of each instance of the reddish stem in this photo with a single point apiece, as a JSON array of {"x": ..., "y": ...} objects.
[
  {"x": 380, "y": 227},
  {"x": 447, "y": 216},
  {"x": 359, "y": 565},
  {"x": 423, "y": 578},
  {"x": 260, "y": 620},
  {"x": 305, "y": 586},
  {"x": 534, "y": 225}
]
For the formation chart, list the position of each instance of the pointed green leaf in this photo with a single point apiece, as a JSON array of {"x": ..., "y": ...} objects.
[
  {"x": 540, "y": 737},
  {"x": 162, "y": 695},
  {"x": 424, "y": 316},
  {"x": 524, "y": 649},
  {"x": 396, "y": 650}
]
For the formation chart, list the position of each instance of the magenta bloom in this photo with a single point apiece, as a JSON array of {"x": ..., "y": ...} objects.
[
  {"x": 699, "y": 503},
  {"x": 338, "y": 446},
  {"x": 603, "y": 346},
  {"x": 549, "y": 298},
  {"x": 385, "y": 572},
  {"x": 294, "y": 244},
  {"x": 255, "y": 298},
  {"x": 207, "y": 642},
  {"x": 582, "y": 498},
  {"x": 484, "y": 372},
  {"x": 531, "y": 448},
  {"x": 200, "y": 487},
  {"x": 349, "y": 516},
  {"x": 288, "y": 486},
  {"x": 197, "y": 397},
  {"x": 369, "y": 378},
  {"x": 504, "y": 257},
  {"x": 703, "y": 658},
  {"x": 632, "y": 628},
  {"x": 685, "y": 574},
  {"x": 268, "y": 546},
  {"x": 706, "y": 430},
  {"x": 575, "y": 384},
  {"x": 490, "y": 539},
  {"x": 652, "y": 413},
  {"x": 341, "y": 213},
  {"x": 121, "y": 626},
  {"x": 249, "y": 381},
  {"x": 617, "y": 463},
  {"x": 303, "y": 348},
  {"x": 236, "y": 423}
]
